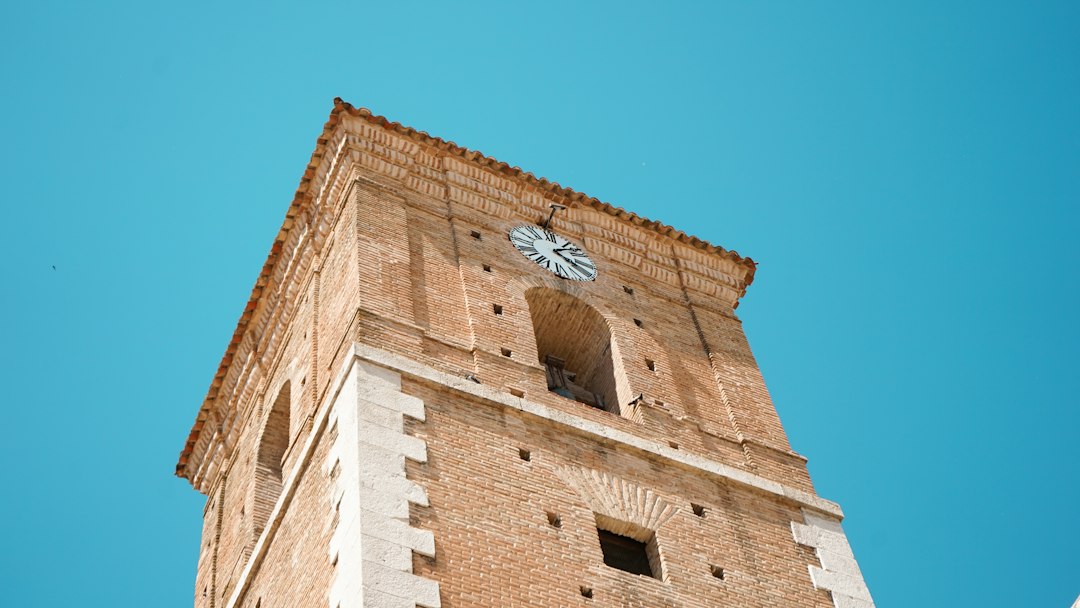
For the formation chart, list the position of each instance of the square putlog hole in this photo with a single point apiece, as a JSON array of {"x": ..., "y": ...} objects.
[
  {"x": 524, "y": 454},
  {"x": 506, "y": 352},
  {"x": 586, "y": 592},
  {"x": 717, "y": 572},
  {"x": 697, "y": 509}
]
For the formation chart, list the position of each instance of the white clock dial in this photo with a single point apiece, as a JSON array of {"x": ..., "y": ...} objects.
[{"x": 553, "y": 252}]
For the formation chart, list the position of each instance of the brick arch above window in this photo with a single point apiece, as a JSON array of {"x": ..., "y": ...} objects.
[
  {"x": 615, "y": 500},
  {"x": 523, "y": 284}
]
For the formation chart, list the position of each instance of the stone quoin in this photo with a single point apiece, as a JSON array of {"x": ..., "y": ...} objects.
[{"x": 456, "y": 384}]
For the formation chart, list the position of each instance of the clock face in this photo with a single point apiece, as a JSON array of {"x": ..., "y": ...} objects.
[{"x": 553, "y": 252}]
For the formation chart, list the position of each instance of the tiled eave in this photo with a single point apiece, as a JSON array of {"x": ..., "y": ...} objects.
[{"x": 342, "y": 109}]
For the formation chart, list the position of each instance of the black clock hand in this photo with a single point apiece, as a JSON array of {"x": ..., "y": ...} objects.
[
  {"x": 573, "y": 251},
  {"x": 557, "y": 252},
  {"x": 572, "y": 262}
]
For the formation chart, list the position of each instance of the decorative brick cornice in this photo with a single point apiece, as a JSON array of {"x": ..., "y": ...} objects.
[{"x": 552, "y": 190}]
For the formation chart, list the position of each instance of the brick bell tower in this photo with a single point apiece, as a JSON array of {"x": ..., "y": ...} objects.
[{"x": 456, "y": 384}]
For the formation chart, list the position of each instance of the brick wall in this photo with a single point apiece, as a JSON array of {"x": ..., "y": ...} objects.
[
  {"x": 403, "y": 248},
  {"x": 495, "y": 546}
]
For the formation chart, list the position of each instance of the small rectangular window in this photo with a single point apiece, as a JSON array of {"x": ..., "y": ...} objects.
[{"x": 625, "y": 553}]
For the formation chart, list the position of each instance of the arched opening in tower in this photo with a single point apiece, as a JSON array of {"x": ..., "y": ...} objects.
[
  {"x": 268, "y": 460},
  {"x": 574, "y": 344}
]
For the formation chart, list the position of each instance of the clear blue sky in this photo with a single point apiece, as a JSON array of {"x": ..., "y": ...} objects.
[{"x": 906, "y": 175}]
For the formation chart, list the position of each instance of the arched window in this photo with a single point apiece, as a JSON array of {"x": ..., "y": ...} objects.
[
  {"x": 575, "y": 348},
  {"x": 272, "y": 445}
]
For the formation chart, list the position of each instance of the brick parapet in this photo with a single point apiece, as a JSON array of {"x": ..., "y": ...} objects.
[{"x": 602, "y": 431}]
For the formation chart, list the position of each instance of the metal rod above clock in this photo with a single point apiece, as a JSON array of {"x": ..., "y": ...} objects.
[{"x": 554, "y": 208}]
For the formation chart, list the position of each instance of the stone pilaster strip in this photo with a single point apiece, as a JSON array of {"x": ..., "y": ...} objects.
[
  {"x": 374, "y": 542},
  {"x": 839, "y": 574}
]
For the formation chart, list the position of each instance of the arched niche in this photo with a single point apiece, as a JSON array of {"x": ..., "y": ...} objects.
[
  {"x": 574, "y": 345},
  {"x": 273, "y": 441}
]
